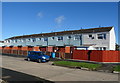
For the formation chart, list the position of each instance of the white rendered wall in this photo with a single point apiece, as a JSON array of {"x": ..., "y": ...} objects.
[
  {"x": 96, "y": 41},
  {"x": 112, "y": 39}
]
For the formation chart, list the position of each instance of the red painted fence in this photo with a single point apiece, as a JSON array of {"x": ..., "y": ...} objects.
[
  {"x": 89, "y": 55},
  {"x": 97, "y": 55}
]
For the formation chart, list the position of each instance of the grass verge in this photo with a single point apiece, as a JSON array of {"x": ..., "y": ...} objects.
[
  {"x": 77, "y": 64},
  {"x": 117, "y": 68}
]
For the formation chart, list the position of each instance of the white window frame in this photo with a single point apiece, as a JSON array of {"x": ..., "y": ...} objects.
[
  {"x": 39, "y": 39},
  {"x": 7, "y": 41},
  {"x": 61, "y": 38},
  {"x": 45, "y": 39},
  {"x": 15, "y": 41},
  {"x": 77, "y": 38},
  {"x": 33, "y": 39},
  {"x": 18, "y": 40},
  {"x": 21, "y": 40},
  {"x": 68, "y": 37},
  {"x": 27, "y": 39},
  {"x": 102, "y": 35},
  {"x": 52, "y": 38},
  {"x": 89, "y": 36}
]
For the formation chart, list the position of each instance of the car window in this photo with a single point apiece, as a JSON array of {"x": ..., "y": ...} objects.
[
  {"x": 42, "y": 53},
  {"x": 31, "y": 53},
  {"x": 38, "y": 54}
]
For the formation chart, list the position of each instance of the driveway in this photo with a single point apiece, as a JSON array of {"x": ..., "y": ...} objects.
[{"x": 54, "y": 73}]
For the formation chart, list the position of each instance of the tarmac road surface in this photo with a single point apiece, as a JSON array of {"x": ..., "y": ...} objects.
[{"x": 53, "y": 73}]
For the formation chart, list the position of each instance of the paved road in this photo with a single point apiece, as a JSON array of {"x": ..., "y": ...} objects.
[
  {"x": 13, "y": 76},
  {"x": 54, "y": 73}
]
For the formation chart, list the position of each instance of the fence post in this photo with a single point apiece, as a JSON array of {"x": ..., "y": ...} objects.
[
  {"x": 59, "y": 55},
  {"x": 27, "y": 52},
  {"x": 22, "y": 52},
  {"x": 18, "y": 52}
]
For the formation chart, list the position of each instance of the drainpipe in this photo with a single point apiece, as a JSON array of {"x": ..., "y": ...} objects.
[
  {"x": 81, "y": 39},
  {"x": 47, "y": 41}
]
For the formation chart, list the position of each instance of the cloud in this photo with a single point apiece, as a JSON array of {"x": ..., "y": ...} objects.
[
  {"x": 59, "y": 19},
  {"x": 40, "y": 14}
]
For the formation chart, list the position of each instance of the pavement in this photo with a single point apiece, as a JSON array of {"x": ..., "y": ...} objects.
[{"x": 53, "y": 73}]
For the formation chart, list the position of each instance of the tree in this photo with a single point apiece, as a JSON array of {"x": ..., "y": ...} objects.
[{"x": 117, "y": 47}]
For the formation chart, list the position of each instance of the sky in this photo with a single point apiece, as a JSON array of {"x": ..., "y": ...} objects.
[{"x": 24, "y": 18}]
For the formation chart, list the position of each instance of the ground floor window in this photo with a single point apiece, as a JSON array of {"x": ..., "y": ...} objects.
[
  {"x": 100, "y": 48},
  {"x": 104, "y": 48}
]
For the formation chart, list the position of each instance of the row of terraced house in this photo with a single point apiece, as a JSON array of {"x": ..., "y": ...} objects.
[
  {"x": 94, "y": 44},
  {"x": 102, "y": 38}
]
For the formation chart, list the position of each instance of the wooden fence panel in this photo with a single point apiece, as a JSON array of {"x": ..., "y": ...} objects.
[{"x": 80, "y": 54}]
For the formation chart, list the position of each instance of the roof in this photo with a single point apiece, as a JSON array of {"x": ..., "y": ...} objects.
[{"x": 91, "y": 30}]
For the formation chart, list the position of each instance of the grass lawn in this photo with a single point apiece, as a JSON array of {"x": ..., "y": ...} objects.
[
  {"x": 77, "y": 64},
  {"x": 117, "y": 68}
]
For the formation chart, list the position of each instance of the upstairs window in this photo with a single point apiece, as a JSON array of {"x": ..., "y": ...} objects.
[
  {"x": 18, "y": 40},
  {"x": 53, "y": 38},
  {"x": 28, "y": 39},
  {"x": 45, "y": 39},
  {"x": 21, "y": 40},
  {"x": 78, "y": 37},
  {"x": 101, "y": 36},
  {"x": 91, "y": 36},
  {"x": 39, "y": 38},
  {"x": 69, "y": 37},
  {"x": 15, "y": 41},
  {"x": 60, "y": 38},
  {"x": 33, "y": 39},
  {"x": 104, "y": 36},
  {"x": 8, "y": 41}
]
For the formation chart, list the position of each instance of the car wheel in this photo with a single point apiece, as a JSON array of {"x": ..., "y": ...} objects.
[
  {"x": 47, "y": 60},
  {"x": 28, "y": 59},
  {"x": 39, "y": 61}
]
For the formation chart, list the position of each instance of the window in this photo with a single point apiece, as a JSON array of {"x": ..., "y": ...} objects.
[
  {"x": 60, "y": 38},
  {"x": 15, "y": 41},
  {"x": 101, "y": 36},
  {"x": 21, "y": 40},
  {"x": 8, "y": 41},
  {"x": 69, "y": 37},
  {"x": 39, "y": 38},
  {"x": 90, "y": 36},
  {"x": 104, "y": 48},
  {"x": 28, "y": 39},
  {"x": 53, "y": 38},
  {"x": 78, "y": 37},
  {"x": 45, "y": 39},
  {"x": 100, "y": 48},
  {"x": 18, "y": 40},
  {"x": 104, "y": 36},
  {"x": 33, "y": 39}
]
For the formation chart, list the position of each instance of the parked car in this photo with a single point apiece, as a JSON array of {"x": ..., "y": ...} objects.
[{"x": 38, "y": 56}]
